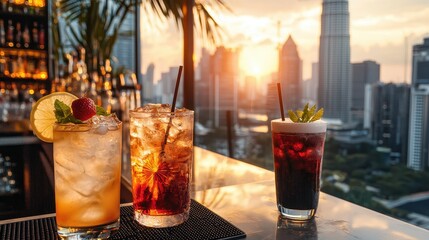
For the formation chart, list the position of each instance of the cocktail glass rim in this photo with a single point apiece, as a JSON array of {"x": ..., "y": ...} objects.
[
  {"x": 138, "y": 114},
  {"x": 288, "y": 126}
]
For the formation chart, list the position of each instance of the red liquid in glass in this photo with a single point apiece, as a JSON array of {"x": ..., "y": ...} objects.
[
  {"x": 161, "y": 188},
  {"x": 297, "y": 165}
]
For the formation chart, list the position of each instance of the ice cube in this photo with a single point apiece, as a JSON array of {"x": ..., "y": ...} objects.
[
  {"x": 87, "y": 186},
  {"x": 92, "y": 213},
  {"x": 101, "y": 124},
  {"x": 154, "y": 108}
]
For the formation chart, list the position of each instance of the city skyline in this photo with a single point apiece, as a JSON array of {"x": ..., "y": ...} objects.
[{"x": 377, "y": 34}]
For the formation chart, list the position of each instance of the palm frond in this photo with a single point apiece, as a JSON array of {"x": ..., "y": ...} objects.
[{"x": 204, "y": 22}]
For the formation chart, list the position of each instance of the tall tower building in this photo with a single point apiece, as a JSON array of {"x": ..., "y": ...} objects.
[
  {"x": 418, "y": 153},
  {"x": 290, "y": 73},
  {"x": 334, "y": 61},
  {"x": 420, "y": 70},
  {"x": 217, "y": 87},
  {"x": 366, "y": 72},
  {"x": 310, "y": 86},
  {"x": 167, "y": 83},
  {"x": 204, "y": 89},
  {"x": 390, "y": 105},
  {"x": 272, "y": 104},
  {"x": 148, "y": 77},
  {"x": 225, "y": 73}
]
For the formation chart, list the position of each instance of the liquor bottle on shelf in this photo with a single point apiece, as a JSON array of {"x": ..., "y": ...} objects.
[
  {"x": 19, "y": 6},
  {"x": 10, "y": 6},
  {"x": 35, "y": 35},
  {"x": 31, "y": 66},
  {"x": 20, "y": 71},
  {"x": 25, "y": 59},
  {"x": 2, "y": 64},
  {"x": 18, "y": 36},
  {"x": 3, "y": 5},
  {"x": 92, "y": 93},
  {"x": 26, "y": 37},
  {"x": 79, "y": 76},
  {"x": 9, "y": 36},
  {"x": 43, "y": 71},
  {"x": 41, "y": 37},
  {"x": 2, "y": 34},
  {"x": 12, "y": 66},
  {"x": 106, "y": 87}
]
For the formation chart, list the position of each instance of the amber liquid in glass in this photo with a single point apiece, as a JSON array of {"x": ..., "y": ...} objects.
[{"x": 161, "y": 169}]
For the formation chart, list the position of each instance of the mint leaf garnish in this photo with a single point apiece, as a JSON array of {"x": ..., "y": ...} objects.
[
  {"x": 63, "y": 113},
  {"x": 101, "y": 111},
  {"x": 306, "y": 115}
]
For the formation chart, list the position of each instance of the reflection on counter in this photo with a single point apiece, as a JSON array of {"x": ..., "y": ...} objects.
[{"x": 287, "y": 229}]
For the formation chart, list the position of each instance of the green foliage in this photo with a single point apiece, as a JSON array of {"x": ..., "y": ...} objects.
[
  {"x": 306, "y": 115},
  {"x": 63, "y": 113},
  {"x": 401, "y": 180},
  {"x": 101, "y": 111},
  {"x": 366, "y": 167},
  {"x": 98, "y": 25}
]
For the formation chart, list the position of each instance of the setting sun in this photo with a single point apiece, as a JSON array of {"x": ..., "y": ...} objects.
[{"x": 258, "y": 61}]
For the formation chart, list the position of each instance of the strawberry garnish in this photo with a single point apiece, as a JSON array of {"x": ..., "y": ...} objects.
[{"x": 83, "y": 108}]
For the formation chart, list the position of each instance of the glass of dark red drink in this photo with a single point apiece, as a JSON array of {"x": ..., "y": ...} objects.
[
  {"x": 298, "y": 152},
  {"x": 161, "y": 159}
]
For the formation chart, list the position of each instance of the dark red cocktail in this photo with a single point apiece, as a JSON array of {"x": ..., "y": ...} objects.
[
  {"x": 298, "y": 152},
  {"x": 161, "y": 149}
]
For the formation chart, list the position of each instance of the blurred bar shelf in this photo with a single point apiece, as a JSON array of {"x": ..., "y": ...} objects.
[
  {"x": 29, "y": 50},
  {"x": 22, "y": 80}
]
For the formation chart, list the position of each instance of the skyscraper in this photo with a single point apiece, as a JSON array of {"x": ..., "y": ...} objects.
[
  {"x": 389, "y": 109},
  {"x": 418, "y": 154},
  {"x": 334, "y": 61},
  {"x": 217, "y": 87},
  {"x": 225, "y": 82},
  {"x": 290, "y": 73},
  {"x": 420, "y": 70},
  {"x": 203, "y": 90},
  {"x": 167, "y": 83},
  {"x": 366, "y": 72},
  {"x": 310, "y": 86},
  {"x": 148, "y": 85},
  {"x": 272, "y": 104}
]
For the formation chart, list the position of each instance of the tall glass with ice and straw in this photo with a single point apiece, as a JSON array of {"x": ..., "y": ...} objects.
[{"x": 161, "y": 144}]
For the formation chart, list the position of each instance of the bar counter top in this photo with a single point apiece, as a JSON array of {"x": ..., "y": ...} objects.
[{"x": 244, "y": 195}]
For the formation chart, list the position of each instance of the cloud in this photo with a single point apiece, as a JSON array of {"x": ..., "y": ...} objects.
[
  {"x": 272, "y": 7},
  {"x": 393, "y": 20},
  {"x": 266, "y": 41}
]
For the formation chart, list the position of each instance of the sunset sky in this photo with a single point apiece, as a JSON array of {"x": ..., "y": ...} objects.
[{"x": 382, "y": 30}]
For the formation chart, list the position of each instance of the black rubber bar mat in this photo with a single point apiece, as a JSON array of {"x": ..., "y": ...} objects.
[{"x": 202, "y": 224}]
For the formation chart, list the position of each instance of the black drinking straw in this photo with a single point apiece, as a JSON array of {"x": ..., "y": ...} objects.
[
  {"x": 173, "y": 107},
  {"x": 279, "y": 91},
  {"x": 176, "y": 89}
]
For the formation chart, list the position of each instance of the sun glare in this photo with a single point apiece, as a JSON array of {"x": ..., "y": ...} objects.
[{"x": 258, "y": 61}]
